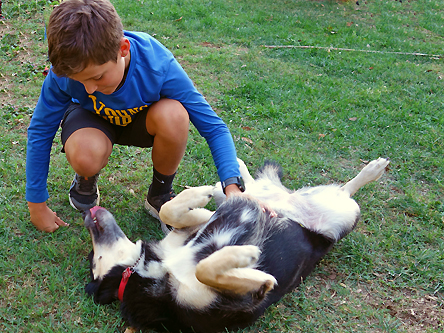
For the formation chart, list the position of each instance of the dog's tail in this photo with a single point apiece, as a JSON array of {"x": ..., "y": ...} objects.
[{"x": 270, "y": 169}]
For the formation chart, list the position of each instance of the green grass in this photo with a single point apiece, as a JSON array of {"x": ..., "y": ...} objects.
[{"x": 318, "y": 112}]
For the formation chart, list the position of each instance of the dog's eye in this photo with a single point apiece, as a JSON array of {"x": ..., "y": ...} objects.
[{"x": 100, "y": 258}]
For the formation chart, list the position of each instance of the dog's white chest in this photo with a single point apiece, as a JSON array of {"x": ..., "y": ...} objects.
[{"x": 189, "y": 291}]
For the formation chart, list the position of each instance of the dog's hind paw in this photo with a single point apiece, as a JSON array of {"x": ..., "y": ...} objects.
[
  {"x": 131, "y": 330},
  {"x": 266, "y": 287},
  {"x": 247, "y": 255},
  {"x": 375, "y": 169}
]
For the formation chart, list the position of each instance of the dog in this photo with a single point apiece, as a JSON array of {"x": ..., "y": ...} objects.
[{"x": 221, "y": 270}]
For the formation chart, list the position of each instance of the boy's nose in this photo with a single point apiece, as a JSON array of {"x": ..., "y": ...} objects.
[{"x": 90, "y": 88}]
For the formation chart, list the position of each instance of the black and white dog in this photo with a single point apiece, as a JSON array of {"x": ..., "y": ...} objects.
[{"x": 223, "y": 269}]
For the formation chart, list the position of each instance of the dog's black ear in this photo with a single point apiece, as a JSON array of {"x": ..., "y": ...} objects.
[
  {"x": 105, "y": 289},
  {"x": 104, "y": 292},
  {"x": 92, "y": 287}
]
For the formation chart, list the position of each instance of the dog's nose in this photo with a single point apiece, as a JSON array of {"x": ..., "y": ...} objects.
[{"x": 94, "y": 210}]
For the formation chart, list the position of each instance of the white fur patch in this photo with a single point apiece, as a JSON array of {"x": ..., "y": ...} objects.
[
  {"x": 223, "y": 236},
  {"x": 189, "y": 291},
  {"x": 122, "y": 252},
  {"x": 154, "y": 270}
]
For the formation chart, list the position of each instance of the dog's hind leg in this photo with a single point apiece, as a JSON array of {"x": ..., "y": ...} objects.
[
  {"x": 131, "y": 330},
  {"x": 185, "y": 209},
  {"x": 244, "y": 172},
  {"x": 230, "y": 269},
  {"x": 371, "y": 172}
]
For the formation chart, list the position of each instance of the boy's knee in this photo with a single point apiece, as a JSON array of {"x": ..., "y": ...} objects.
[
  {"x": 180, "y": 114},
  {"x": 87, "y": 165},
  {"x": 87, "y": 157},
  {"x": 167, "y": 114},
  {"x": 173, "y": 111}
]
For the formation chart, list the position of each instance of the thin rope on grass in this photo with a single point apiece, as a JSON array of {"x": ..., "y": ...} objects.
[{"x": 352, "y": 50}]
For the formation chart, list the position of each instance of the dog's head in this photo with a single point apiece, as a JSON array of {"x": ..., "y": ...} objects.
[{"x": 111, "y": 248}]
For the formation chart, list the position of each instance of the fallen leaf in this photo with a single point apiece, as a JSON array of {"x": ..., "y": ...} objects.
[
  {"x": 247, "y": 128},
  {"x": 353, "y": 118},
  {"x": 349, "y": 24},
  {"x": 321, "y": 135},
  {"x": 247, "y": 139}
]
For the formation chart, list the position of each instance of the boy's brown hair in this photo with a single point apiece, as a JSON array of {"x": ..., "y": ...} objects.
[{"x": 82, "y": 33}]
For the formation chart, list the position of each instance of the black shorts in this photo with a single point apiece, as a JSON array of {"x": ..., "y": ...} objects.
[{"x": 133, "y": 134}]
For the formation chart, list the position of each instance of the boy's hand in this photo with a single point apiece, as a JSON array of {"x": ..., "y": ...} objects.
[
  {"x": 234, "y": 190},
  {"x": 44, "y": 218}
]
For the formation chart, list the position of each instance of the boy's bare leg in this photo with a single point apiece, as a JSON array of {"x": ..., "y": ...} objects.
[
  {"x": 168, "y": 121},
  {"x": 88, "y": 150}
]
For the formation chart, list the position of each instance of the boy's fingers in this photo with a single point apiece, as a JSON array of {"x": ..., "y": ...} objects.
[
  {"x": 59, "y": 221},
  {"x": 51, "y": 228}
]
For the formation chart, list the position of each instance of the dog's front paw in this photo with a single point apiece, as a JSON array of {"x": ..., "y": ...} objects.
[
  {"x": 195, "y": 197},
  {"x": 200, "y": 196}
]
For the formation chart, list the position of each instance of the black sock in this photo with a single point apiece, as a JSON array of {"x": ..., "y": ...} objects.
[{"x": 161, "y": 184}]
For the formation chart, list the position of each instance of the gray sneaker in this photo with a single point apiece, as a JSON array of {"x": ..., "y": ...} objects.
[{"x": 84, "y": 193}]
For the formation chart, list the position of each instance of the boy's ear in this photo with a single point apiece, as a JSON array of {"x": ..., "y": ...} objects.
[{"x": 124, "y": 47}]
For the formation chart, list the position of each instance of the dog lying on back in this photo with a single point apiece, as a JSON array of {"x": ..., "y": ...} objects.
[{"x": 221, "y": 269}]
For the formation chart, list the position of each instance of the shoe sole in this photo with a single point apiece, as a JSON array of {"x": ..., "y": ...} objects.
[
  {"x": 80, "y": 210},
  {"x": 153, "y": 212}
]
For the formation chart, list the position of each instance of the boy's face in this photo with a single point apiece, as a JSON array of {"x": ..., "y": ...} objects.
[{"x": 107, "y": 77}]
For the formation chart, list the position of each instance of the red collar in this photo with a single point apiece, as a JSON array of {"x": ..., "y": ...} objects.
[{"x": 125, "y": 277}]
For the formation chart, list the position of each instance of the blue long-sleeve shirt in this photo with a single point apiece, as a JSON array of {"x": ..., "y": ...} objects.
[{"x": 153, "y": 73}]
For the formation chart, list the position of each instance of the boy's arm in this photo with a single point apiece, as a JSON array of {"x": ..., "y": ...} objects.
[
  {"x": 179, "y": 86},
  {"x": 45, "y": 121}
]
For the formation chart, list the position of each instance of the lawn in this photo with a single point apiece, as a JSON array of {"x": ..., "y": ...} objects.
[{"x": 344, "y": 83}]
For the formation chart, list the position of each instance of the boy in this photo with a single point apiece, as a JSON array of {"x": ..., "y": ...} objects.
[{"x": 106, "y": 87}]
